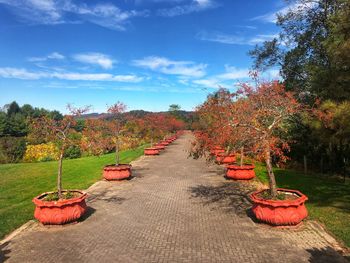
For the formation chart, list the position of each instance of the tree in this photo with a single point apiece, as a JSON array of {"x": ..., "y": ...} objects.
[
  {"x": 13, "y": 108},
  {"x": 115, "y": 110},
  {"x": 312, "y": 49},
  {"x": 61, "y": 132},
  {"x": 174, "y": 107},
  {"x": 97, "y": 136},
  {"x": 213, "y": 122},
  {"x": 264, "y": 111}
]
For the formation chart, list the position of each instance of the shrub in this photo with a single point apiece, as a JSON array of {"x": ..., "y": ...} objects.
[
  {"x": 12, "y": 149},
  {"x": 72, "y": 152},
  {"x": 41, "y": 152}
]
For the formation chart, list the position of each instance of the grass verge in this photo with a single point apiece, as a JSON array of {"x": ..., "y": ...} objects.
[
  {"x": 329, "y": 199},
  {"x": 19, "y": 183}
]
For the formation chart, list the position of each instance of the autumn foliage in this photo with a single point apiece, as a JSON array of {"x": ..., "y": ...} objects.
[{"x": 254, "y": 118}]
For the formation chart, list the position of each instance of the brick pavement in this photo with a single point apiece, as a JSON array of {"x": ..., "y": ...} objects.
[{"x": 175, "y": 209}]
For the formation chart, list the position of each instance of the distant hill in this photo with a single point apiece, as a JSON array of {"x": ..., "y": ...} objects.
[{"x": 134, "y": 113}]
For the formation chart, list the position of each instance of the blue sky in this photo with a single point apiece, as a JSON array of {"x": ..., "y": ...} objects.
[{"x": 146, "y": 53}]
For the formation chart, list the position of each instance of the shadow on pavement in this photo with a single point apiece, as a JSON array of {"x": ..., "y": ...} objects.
[
  {"x": 4, "y": 252},
  {"x": 325, "y": 255},
  {"x": 230, "y": 196},
  {"x": 89, "y": 212},
  {"x": 105, "y": 196}
]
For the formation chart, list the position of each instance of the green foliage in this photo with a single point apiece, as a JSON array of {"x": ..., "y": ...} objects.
[
  {"x": 312, "y": 49},
  {"x": 72, "y": 152},
  {"x": 14, "y": 119},
  {"x": 12, "y": 149},
  {"x": 54, "y": 196}
]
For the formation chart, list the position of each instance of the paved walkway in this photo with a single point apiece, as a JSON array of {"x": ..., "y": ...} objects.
[{"x": 175, "y": 209}]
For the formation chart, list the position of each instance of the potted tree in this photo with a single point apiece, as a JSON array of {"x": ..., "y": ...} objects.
[
  {"x": 241, "y": 171},
  {"x": 213, "y": 116},
  {"x": 61, "y": 206},
  {"x": 264, "y": 111},
  {"x": 116, "y": 171},
  {"x": 154, "y": 125}
]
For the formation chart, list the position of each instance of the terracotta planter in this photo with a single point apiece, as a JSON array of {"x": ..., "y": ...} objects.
[
  {"x": 237, "y": 172},
  {"x": 223, "y": 158},
  {"x": 59, "y": 212},
  {"x": 159, "y": 147},
  {"x": 164, "y": 143},
  {"x": 151, "y": 151},
  {"x": 216, "y": 150},
  {"x": 280, "y": 212},
  {"x": 117, "y": 172}
]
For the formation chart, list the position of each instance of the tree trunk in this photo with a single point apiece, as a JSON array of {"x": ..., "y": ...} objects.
[
  {"x": 242, "y": 155},
  {"x": 59, "y": 175},
  {"x": 321, "y": 165},
  {"x": 272, "y": 180},
  {"x": 117, "y": 145},
  {"x": 305, "y": 164},
  {"x": 117, "y": 152}
]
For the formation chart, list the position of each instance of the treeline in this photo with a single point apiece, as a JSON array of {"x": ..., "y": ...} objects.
[
  {"x": 313, "y": 54},
  {"x": 14, "y": 128},
  {"x": 19, "y": 141}
]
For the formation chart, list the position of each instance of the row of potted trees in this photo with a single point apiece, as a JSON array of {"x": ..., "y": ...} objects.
[
  {"x": 160, "y": 146},
  {"x": 64, "y": 206},
  {"x": 253, "y": 122}
]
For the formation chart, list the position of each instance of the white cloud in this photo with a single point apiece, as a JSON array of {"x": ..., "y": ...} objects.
[
  {"x": 271, "y": 17},
  {"x": 234, "y": 39},
  {"x": 224, "y": 79},
  {"x": 53, "y": 55},
  {"x": 99, "y": 59},
  {"x": 171, "y": 67},
  {"x": 208, "y": 83},
  {"x": 184, "y": 9},
  {"x": 19, "y": 73},
  {"x": 51, "y": 12},
  {"x": 233, "y": 73}
]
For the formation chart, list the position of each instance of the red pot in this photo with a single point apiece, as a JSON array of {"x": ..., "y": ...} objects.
[
  {"x": 236, "y": 172},
  {"x": 159, "y": 147},
  {"x": 164, "y": 143},
  {"x": 223, "y": 158},
  {"x": 59, "y": 212},
  {"x": 151, "y": 151},
  {"x": 117, "y": 172},
  {"x": 280, "y": 212},
  {"x": 216, "y": 150}
]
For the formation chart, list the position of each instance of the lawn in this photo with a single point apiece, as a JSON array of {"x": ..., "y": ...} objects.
[
  {"x": 329, "y": 199},
  {"x": 19, "y": 183}
]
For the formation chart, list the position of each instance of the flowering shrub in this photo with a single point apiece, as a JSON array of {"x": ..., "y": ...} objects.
[{"x": 41, "y": 152}]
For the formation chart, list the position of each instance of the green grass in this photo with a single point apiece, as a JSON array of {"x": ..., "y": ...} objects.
[
  {"x": 329, "y": 199},
  {"x": 19, "y": 183}
]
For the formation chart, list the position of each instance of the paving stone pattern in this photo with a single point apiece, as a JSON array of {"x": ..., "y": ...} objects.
[{"x": 174, "y": 209}]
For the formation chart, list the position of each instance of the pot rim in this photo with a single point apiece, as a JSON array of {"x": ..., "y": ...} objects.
[
  {"x": 41, "y": 203},
  {"x": 226, "y": 155},
  {"x": 276, "y": 203},
  {"x": 238, "y": 167},
  {"x": 151, "y": 148},
  {"x": 119, "y": 167}
]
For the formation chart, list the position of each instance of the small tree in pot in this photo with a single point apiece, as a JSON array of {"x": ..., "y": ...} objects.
[
  {"x": 264, "y": 111},
  {"x": 61, "y": 206},
  {"x": 213, "y": 118},
  {"x": 154, "y": 124},
  {"x": 116, "y": 171}
]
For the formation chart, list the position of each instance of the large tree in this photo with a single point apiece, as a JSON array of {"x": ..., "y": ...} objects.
[{"x": 312, "y": 49}]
